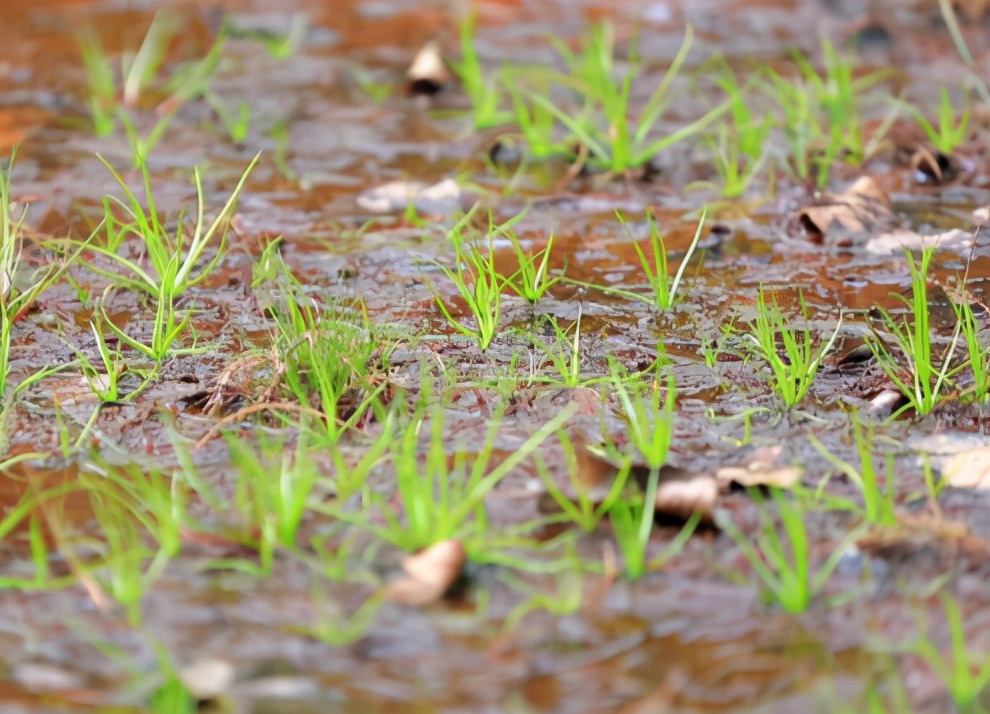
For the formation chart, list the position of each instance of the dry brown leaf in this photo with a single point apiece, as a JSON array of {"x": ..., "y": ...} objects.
[
  {"x": 969, "y": 469},
  {"x": 896, "y": 242},
  {"x": 760, "y": 467},
  {"x": 428, "y": 74},
  {"x": 681, "y": 493},
  {"x": 747, "y": 477},
  {"x": 842, "y": 218},
  {"x": 395, "y": 196},
  {"x": 917, "y": 533},
  {"x": 431, "y": 573}
]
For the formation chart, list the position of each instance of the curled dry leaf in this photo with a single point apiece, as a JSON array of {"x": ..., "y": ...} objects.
[
  {"x": 845, "y": 218},
  {"x": 430, "y": 574},
  {"x": 428, "y": 74}
]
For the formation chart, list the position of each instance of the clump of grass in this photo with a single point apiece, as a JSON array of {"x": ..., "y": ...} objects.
[
  {"x": 979, "y": 355},
  {"x": 483, "y": 91},
  {"x": 950, "y": 127},
  {"x": 442, "y": 498},
  {"x": 16, "y": 298},
  {"x": 822, "y": 113},
  {"x": 325, "y": 351},
  {"x": 964, "y": 672},
  {"x": 172, "y": 262},
  {"x": 479, "y": 285},
  {"x": 563, "y": 352},
  {"x": 140, "y": 72},
  {"x": 740, "y": 148},
  {"x": 622, "y": 144},
  {"x": 663, "y": 290},
  {"x": 584, "y": 509},
  {"x": 790, "y": 353},
  {"x": 783, "y": 565},
  {"x": 877, "y": 490},
  {"x": 924, "y": 375},
  {"x": 648, "y": 408},
  {"x": 533, "y": 280}
]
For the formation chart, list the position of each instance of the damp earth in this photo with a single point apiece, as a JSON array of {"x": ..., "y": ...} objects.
[{"x": 424, "y": 356}]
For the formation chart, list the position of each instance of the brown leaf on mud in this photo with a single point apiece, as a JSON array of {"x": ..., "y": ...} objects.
[
  {"x": 427, "y": 74},
  {"x": 916, "y": 534},
  {"x": 844, "y": 218},
  {"x": 969, "y": 469},
  {"x": 760, "y": 467},
  {"x": 431, "y": 573},
  {"x": 395, "y": 196},
  {"x": 682, "y": 493},
  {"x": 956, "y": 240}
]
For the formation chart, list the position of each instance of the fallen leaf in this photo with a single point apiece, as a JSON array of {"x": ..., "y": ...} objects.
[
  {"x": 845, "y": 218},
  {"x": 430, "y": 572},
  {"x": 395, "y": 196},
  {"x": 932, "y": 168},
  {"x": 915, "y": 534},
  {"x": 207, "y": 678},
  {"x": 760, "y": 467},
  {"x": 958, "y": 241},
  {"x": 969, "y": 469},
  {"x": 681, "y": 493},
  {"x": 754, "y": 476},
  {"x": 428, "y": 74}
]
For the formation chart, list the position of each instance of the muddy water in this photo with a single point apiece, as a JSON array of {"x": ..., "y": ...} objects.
[{"x": 685, "y": 640}]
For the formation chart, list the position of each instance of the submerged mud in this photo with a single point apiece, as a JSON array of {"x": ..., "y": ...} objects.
[{"x": 542, "y": 618}]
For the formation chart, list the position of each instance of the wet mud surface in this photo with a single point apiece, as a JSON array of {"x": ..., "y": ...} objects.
[{"x": 542, "y": 619}]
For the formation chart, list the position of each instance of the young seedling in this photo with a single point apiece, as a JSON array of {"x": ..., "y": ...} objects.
[
  {"x": 325, "y": 351},
  {"x": 628, "y": 516},
  {"x": 964, "y": 672},
  {"x": 537, "y": 124},
  {"x": 924, "y": 376},
  {"x": 479, "y": 285},
  {"x": 236, "y": 123},
  {"x": 174, "y": 263},
  {"x": 979, "y": 355},
  {"x": 648, "y": 408},
  {"x": 564, "y": 353},
  {"x": 783, "y": 565},
  {"x": 950, "y": 128},
  {"x": 791, "y": 354},
  {"x": 621, "y": 146},
  {"x": 483, "y": 92},
  {"x": 274, "y": 487},
  {"x": 139, "y": 72},
  {"x": 877, "y": 491},
  {"x": 15, "y": 297},
  {"x": 532, "y": 281},
  {"x": 443, "y": 498},
  {"x": 583, "y": 509},
  {"x": 663, "y": 290}
]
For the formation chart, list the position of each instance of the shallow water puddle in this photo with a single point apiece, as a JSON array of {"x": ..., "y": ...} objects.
[{"x": 227, "y": 515}]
